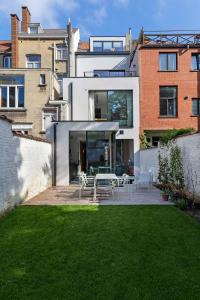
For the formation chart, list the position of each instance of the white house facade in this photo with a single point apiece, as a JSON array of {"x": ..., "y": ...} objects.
[{"x": 101, "y": 131}]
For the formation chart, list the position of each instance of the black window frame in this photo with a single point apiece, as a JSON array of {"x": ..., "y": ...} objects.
[
  {"x": 197, "y": 61},
  {"x": 198, "y": 107},
  {"x": 168, "y": 98},
  {"x": 167, "y": 62},
  {"x": 102, "y": 46}
]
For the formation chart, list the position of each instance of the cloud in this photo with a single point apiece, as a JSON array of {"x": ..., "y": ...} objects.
[
  {"x": 43, "y": 11},
  {"x": 124, "y": 3},
  {"x": 161, "y": 4}
]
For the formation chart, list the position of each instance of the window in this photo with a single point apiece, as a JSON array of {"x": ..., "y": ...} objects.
[
  {"x": 98, "y": 46},
  {"x": 33, "y": 61},
  {"x": 114, "y": 106},
  {"x": 42, "y": 79},
  {"x": 107, "y": 73},
  {"x": 107, "y": 46},
  {"x": 33, "y": 29},
  {"x": 196, "y": 61},
  {"x": 195, "y": 107},
  {"x": 11, "y": 91},
  {"x": 168, "y": 61},
  {"x": 61, "y": 52},
  {"x": 168, "y": 101},
  {"x": 7, "y": 62}
]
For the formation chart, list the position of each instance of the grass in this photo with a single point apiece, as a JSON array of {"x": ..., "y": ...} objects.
[{"x": 74, "y": 252}]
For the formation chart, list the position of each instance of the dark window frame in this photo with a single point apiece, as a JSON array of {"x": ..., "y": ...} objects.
[
  {"x": 169, "y": 98},
  {"x": 197, "y": 61},
  {"x": 198, "y": 107},
  {"x": 102, "y": 46},
  {"x": 167, "y": 69}
]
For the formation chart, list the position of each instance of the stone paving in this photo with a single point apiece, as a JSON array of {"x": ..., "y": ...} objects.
[{"x": 69, "y": 195}]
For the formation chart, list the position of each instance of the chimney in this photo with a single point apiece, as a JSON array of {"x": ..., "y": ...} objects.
[
  {"x": 26, "y": 19},
  {"x": 14, "y": 39}
]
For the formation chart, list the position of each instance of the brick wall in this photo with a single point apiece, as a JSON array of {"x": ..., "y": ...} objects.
[
  {"x": 25, "y": 167},
  {"x": 188, "y": 84}
]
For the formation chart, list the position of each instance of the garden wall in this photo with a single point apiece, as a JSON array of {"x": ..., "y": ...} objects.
[
  {"x": 25, "y": 166},
  {"x": 190, "y": 149}
]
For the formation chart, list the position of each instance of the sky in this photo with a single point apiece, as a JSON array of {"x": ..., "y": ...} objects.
[{"x": 106, "y": 17}]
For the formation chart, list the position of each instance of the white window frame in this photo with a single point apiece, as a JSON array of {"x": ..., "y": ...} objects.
[
  {"x": 61, "y": 50},
  {"x": 8, "y": 95},
  {"x": 33, "y": 63}
]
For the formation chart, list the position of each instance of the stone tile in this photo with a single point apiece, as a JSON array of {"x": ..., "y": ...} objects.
[{"x": 122, "y": 196}]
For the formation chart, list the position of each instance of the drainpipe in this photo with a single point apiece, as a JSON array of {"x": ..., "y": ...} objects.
[{"x": 54, "y": 154}]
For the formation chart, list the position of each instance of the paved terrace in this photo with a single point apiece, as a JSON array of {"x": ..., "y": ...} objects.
[{"x": 122, "y": 196}]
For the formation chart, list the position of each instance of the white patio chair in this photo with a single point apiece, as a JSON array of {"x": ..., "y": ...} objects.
[{"x": 84, "y": 186}]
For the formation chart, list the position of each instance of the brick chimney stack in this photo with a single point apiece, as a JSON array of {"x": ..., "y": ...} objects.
[
  {"x": 26, "y": 19},
  {"x": 14, "y": 39}
]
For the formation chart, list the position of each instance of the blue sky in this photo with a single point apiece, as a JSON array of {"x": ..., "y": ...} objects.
[{"x": 106, "y": 17}]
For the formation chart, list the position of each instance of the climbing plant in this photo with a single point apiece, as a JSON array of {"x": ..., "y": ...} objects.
[{"x": 176, "y": 167}]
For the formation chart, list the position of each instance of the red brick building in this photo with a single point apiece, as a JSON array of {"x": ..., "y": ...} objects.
[{"x": 169, "y": 69}]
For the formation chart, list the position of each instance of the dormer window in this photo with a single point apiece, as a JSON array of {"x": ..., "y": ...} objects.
[{"x": 33, "y": 29}]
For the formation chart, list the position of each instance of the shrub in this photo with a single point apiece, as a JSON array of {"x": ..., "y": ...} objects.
[{"x": 181, "y": 204}]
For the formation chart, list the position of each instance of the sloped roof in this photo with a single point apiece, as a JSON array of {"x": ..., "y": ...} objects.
[
  {"x": 60, "y": 32},
  {"x": 83, "y": 46},
  {"x": 5, "y": 46}
]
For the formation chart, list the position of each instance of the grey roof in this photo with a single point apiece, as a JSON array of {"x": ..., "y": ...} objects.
[{"x": 48, "y": 33}]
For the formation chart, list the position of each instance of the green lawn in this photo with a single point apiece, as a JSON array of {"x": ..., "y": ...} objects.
[{"x": 121, "y": 252}]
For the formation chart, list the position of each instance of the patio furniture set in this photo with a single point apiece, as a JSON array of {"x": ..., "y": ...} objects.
[{"x": 104, "y": 185}]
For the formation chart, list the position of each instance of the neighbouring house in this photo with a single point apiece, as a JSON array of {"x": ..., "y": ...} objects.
[
  {"x": 101, "y": 131},
  {"x": 169, "y": 65},
  {"x": 31, "y": 87},
  {"x": 5, "y": 54}
]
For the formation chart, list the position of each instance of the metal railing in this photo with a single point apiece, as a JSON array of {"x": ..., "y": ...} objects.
[
  {"x": 109, "y": 74},
  {"x": 171, "y": 38}
]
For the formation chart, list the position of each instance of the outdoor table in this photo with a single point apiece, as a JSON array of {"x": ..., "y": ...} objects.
[{"x": 102, "y": 176}]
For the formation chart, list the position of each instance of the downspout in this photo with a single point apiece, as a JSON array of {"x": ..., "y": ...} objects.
[{"x": 54, "y": 154}]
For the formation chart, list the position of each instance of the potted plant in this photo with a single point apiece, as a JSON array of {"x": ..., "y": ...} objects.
[{"x": 165, "y": 194}]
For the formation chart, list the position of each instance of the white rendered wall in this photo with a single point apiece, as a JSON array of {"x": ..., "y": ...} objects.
[
  {"x": 89, "y": 63},
  {"x": 190, "y": 149},
  {"x": 62, "y": 144},
  {"x": 25, "y": 167},
  {"x": 81, "y": 103}
]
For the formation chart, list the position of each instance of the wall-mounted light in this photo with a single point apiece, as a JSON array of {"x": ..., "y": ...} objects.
[{"x": 186, "y": 98}]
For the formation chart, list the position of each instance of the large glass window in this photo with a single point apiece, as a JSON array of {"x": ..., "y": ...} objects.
[
  {"x": 33, "y": 61},
  {"x": 196, "y": 61},
  {"x": 61, "y": 52},
  {"x": 196, "y": 107},
  {"x": 168, "y": 61},
  {"x": 168, "y": 101},
  {"x": 114, "y": 106},
  {"x": 106, "y": 46},
  {"x": 11, "y": 91}
]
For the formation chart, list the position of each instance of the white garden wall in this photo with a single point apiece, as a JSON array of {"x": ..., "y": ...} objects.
[
  {"x": 25, "y": 167},
  {"x": 190, "y": 148}
]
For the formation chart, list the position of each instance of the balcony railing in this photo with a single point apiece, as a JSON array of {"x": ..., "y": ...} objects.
[{"x": 112, "y": 73}]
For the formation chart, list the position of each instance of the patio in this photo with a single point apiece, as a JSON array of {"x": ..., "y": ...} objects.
[{"x": 122, "y": 196}]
